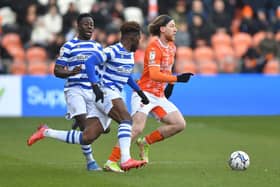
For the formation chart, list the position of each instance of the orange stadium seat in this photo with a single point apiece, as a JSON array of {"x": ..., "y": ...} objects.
[
  {"x": 241, "y": 42},
  {"x": 222, "y": 52},
  {"x": 221, "y": 39},
  {"x": 272, "y": 67},
  {"x": 277, "y": 36},
  {"x": 11, "y": 40},
  {"x": 240, "y": 50},
  {"x": 36, "y": 54},
  {"x": 185, "y": 66},
  {"x": 39, "y": 68},
  {"x": 242, "y": 38},
  {"x": 258, "y": 37},
  {"x": 190, "y": 67},
  {"x": 18, "y": 68},
  {"x": 202, "y": 54},
  {"x": 184, "y": 54},
  {"x": 17, "y": 53},
  {"x": 208, "y": 68},
  {"x": 229, "y": 65}
]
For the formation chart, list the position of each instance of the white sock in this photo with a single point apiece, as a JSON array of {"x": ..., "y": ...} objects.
[
  {"x": 72, "y": 136},
  {"x": 124, "y": 136},
  {"x": 87, "y": 151}
]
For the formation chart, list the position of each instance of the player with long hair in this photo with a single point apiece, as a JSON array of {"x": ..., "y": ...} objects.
[{"x": 158, "y": 62}]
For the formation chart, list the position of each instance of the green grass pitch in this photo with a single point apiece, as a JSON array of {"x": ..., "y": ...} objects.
[{"x": 196, "y": 157}]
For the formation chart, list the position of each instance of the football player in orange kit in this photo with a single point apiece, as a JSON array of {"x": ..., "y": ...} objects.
[{"x": 158, "y": 62}]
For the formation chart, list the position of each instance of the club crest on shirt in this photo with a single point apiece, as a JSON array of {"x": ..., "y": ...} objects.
[{"x": 152, "y": 55}]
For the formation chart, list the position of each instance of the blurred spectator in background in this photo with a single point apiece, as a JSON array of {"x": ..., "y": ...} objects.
[
  {"x": 62, "y": 4},
  {"x": 196, "y": 8},
  {"x": 100, "y": 13},
  {"x": 53, "y": 21},
  {"x": 69, "y": 17},
  {"x": 220, "y": 17},
  {"x": 268, "y": 46},
  {"x": 72, "y": 31},
  {"x": 117, "y": 11},
  {"x": 40, "y": 34},
  {"x": 179, "y": 12},
  {"x": 249, "y": 62},
  {"x": 229, "y": 65},
  {"x": 8, "y": 17},
  {"x": 276, "y": 23},
  {"x": 26, "y": 26},
  {"x": 257, "y": 5},
  {"x": 200, "y": 31},
  {"x": 262, "y": 22},
  {"x": 54, "y": 46},
  {"x": 84, "y": 6},
  {"x": 182, "y": 35},
  {"x": 248, "y": 23},
  {"x": 142, "y": 4},
  {"x": 134, "y": 14},
  {"x": 117, "y": 18},
  {"x": 5, "y": 60}
]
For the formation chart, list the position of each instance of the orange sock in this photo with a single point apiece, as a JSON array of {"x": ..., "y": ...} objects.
[
  {"x": 115, "y": 155},
  {"x": 153, "y": 137}
]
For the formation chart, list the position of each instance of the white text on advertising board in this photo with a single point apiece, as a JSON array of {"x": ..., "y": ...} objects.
[{"x": 51, "y": 98}]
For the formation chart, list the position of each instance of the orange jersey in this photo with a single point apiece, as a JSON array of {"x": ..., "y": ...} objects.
[{"x": 158, "y": 62}]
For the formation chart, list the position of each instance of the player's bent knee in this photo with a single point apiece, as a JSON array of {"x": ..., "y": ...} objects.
[
  {"x": 89, "y": 138},
  {"x": 181, "y": 126}
]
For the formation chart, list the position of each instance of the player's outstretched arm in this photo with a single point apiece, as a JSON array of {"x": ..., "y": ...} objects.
[
  {"x": 185, "y": 77},
  {"x": 90, "y": 64},
  {"x": 135, "y": 87}
]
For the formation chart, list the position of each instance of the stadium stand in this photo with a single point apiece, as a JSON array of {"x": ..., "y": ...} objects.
[
  {"x": 203, "y": 54},
  {"x": 257, "y": 38},
  {"x": 184, "y": 53},
  {"x": 36, "y": 54},
  {"x": 272, "y": 67},
  {"x": 220, "y": 39},
  {"x": 223, "y": 50},
  {"x": 208, "y": 68},
  {"x": 241, "y": 42},
  {"x": 18, "y": 68}
]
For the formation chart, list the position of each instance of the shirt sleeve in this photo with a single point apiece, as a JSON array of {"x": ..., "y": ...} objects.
[
  {"x": 64, "y": 55},
  {"x": 96, "y": 58}
]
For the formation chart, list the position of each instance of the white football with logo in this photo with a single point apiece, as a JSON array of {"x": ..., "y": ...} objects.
[{"x": 239, "y": 160}]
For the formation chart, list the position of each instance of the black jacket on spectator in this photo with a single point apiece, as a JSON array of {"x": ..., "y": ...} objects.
[
  {"x": 249, "y": 26},
  {"x": 220, "y": 20}
]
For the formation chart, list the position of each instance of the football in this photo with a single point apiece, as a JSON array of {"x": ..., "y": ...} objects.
[{"x": 239, "y": 160}]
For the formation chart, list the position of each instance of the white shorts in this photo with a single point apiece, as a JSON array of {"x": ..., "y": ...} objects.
[
  {"x": 82, "y": 101},
  {"x": 158, "y": 106},
  {"x": 109, "y": 95}
]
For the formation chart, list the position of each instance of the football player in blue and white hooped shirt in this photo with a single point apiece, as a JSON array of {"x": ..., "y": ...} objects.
[
  {"x": 77, "y": 89},
  {"x": 115, "y": 66},
  {"x": 114, "y": 74}
]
